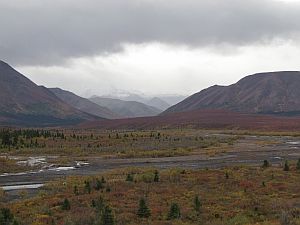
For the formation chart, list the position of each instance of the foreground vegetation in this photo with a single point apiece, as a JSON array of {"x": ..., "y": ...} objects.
[{"x": 238, "y": 195}]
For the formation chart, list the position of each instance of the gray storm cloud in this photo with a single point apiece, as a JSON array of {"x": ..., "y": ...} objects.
[{"x": 48, "y": 32}]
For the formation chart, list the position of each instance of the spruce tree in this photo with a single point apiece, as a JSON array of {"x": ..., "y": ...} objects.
[
  {"x": 6, "y": 138},
  {"x": 66, "y": 205},
  {"x": 129, "y": 177},
  {"x": 143, "y": 211},
  {"x": 6, "y": 217},
  {"x": 99, "y": 185},
  {"x": 15, "y": 222},
  {"x": 174, "y": 212},
  {"x": 197, "y": 204},
  {"x": 76, "y": 192},
  {"x": 99, "y": 204},
  {"x": 156, "y": 176},
  {"x": 107, "y": 217},
  {"x": 227, "y": 175},
  {"x": 286, "y": 166},
  {"x": 298, "y": 164},
  {"x": 87, "y": 186},
  {"x": 266, "y": 164}
]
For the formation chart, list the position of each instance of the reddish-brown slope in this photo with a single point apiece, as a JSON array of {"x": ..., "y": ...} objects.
[
  {"x": 207, "y": 119},
  {"x": 22, "y": 102},
  {"x": 83, "y": 104},
  {"x": 259, "y": 93}
]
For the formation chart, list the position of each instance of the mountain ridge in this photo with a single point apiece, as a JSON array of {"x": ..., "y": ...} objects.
[
  {"x": 126, "y": 109},
  {"x": 156, "y": 101},
  {"x": 269, "y": 92},
  {"x": 83, "y": 104},
  {"x": 22, "y": 102}
]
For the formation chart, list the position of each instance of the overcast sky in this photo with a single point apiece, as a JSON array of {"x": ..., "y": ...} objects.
[{"x": 148, "y": 46}]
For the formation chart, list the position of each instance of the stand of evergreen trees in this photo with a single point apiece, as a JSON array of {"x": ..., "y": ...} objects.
[{"x": 25, "y": 137}]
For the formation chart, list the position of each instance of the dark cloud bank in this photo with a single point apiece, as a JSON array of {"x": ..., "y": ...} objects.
[{"x": 35, "y": 32}]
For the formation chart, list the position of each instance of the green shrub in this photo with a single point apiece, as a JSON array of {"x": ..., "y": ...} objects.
[
  {"x": 147, "y": 177},
  {"x": 239, "y": 220}
]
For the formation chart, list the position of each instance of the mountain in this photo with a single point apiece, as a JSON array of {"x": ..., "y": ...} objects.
[
  {"x": 83, "y": 104},
  {"x": 126, "y": 109},
  {"x": 202, "y": 119},
  {"x": 22, "y": 102},
  {"x": 172, "y": 99},
  {"x": 125, "y": 96},
  {"x": 151, "y": 101},
  {"x": 158, "y": 103},
  {"x": 271, "y": 93},
  {"x": 132, "y": 97}
]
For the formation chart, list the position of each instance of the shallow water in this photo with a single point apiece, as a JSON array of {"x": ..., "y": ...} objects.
[
  {"x": 63, "y": 168},
  {"x": 21, "y": 187}
]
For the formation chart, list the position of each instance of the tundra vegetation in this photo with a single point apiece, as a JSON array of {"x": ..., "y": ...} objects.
[
  {"x": 266, "y": 194},
  {"x": 249, "y": 195},
  {"x": 109, "y": 144}
]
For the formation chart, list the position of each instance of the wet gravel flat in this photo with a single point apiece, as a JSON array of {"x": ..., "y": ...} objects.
[{"x": 251, "y": 150}]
